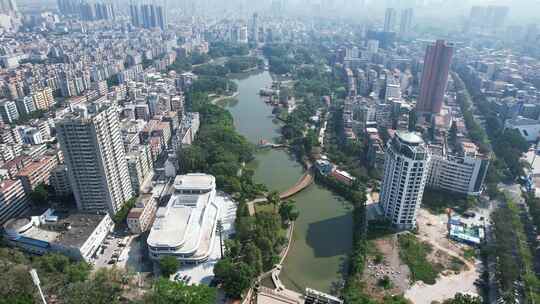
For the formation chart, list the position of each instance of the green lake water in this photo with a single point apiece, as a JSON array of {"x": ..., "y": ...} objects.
[{"x": 322, "y": 235}]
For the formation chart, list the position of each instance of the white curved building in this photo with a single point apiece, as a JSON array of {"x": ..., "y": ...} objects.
[{"x": 186, "y": 227}]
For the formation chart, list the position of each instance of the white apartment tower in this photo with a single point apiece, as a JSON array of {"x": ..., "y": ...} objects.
[
  {"x": 406, "y": 170},
  {"x": 95, "y": 157}
]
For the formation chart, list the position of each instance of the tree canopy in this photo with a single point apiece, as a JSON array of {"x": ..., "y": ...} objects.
[
  {"x": 168, "y": 265},
  {"x": 167, "y": 292},
  {"x": 40, "y": 195},
  {"x": 220, "y": 150},
  {"x": 463, "y": 299}
]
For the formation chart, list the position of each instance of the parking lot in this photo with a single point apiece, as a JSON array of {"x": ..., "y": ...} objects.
[
  {"x": 204, "y": 273},
  {"x": 113, "y": 251}
]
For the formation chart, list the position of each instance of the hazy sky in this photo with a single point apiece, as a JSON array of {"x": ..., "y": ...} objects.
[{"x": 522, "y": 11}]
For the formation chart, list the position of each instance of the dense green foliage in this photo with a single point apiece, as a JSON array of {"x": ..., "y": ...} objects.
[
  {"x": 512, "y": 252},
  {"x": 120, "y": 217},
  {"x": 25, "y": 118},
  {"x": 513, "y": 255},
  {"x": 437, "y": 201},
  {"x": 57, "y": 274},
  {"x": 353, "y": 291},
  {"x": 464, "y": 299},
  {"x": 185, "y": 63},
  {"x": 295, "y": 131},
  {"x": 351, "y": 193},
  {"x": 476, "y": 132},
  {"x": 225, "y": 49},
  {"x": 168, "y": 266},
  {"x": 40, "y": 195},
  {"x": 181, "y": 65},
  {"x": 288, "y": 211},
  {"x": 278, "y": 58},
  {"x": 213, "y": 84},
  {"x": 414, "y": 253},
  {"x": 235, "y": 64},
  {"x": 534, "y": 208},
  {"x": 211, "y": 70},
  {"x": 219, "y": 150},
  {"x": 256, "y": 248},
  {"x": 104, "y": 287},
  {"x": 508, "y": 145},
  {"x": 349, "y": 155},
  {"x": 73, "y": 282},
  {"x": 239, "y": 64},
  {"x": 199, "y": 58},
  {"x": 236, "y": 277},
  {"x": 167, "y": 292},
  {"x": 313, "y": 81},
  {"x": 285, "y": 58}
]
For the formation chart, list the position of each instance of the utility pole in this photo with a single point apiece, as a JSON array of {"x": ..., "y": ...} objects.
[{"x": 35, "y": 278}]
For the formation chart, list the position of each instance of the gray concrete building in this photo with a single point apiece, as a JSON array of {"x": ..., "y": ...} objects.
[{"x": 94, "y": 154}]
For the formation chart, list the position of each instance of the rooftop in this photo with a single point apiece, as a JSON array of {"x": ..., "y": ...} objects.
[
  {"x": 8, "y": 183},
  {"x": 35, "y": 165},
  {"x": 410, "y": 137},
  {"x": 194, "y": 181},
  {"x": 521, "y": 121},
  {"x": 186, "y": 223},
  {"x": 71, "y": 229},
  {"x": 171, "y": 224}
]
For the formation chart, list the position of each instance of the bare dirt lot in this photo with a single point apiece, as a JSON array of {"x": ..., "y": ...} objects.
[
  {"x": 432, "y": 229},
  {"x": 458, "y": 275},
  {"x": 390, "y": 266}
]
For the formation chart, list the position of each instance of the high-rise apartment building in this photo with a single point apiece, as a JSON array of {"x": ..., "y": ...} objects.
[
  {"x": 254, "y": 32},
  {"x": 8, "y": 111},
  {"x": 13, "y": 199},
  {"x": 8, "y": 7},
  {"x": 390, "y": 19},
  {"x": 95, "y": 157},
  {"x": 25, "y": 105},
  {"x": 43, "y": 99},
  {"x": 406, "y": 22},
  {"x": 406, "y": 167},
  {"x": 148, "y": 16},
  {"x": 434, "y": 77},
  {"x": 88, "y": 10},
  {"x": 488, "y": 17},
  {"x": 68, "y": 7},
  {"x": 104, "y": 11}
]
